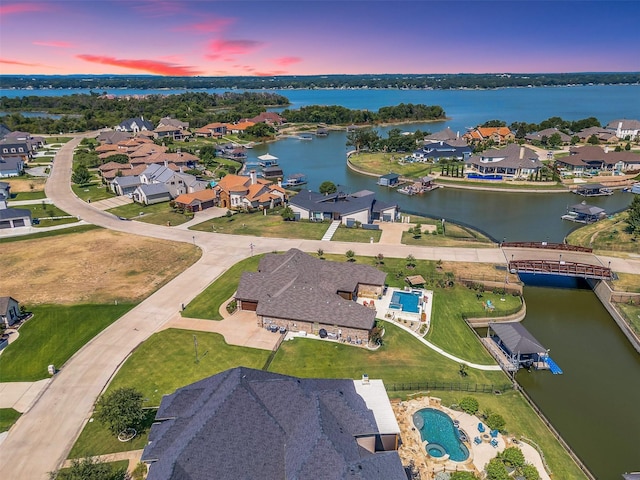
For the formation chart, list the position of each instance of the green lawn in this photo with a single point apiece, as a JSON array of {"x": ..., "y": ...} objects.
[
  {"x": 28, "y": 196},
  {"x": 207, "y": 304},
  {"x": 166, "y": 361},
  {"x": 401, "y": 359},
  {"x": 52, "y": 140},
  {"x": 94, "y": 191},
  {"x": 8, "y": 416},
  {"x": 51, "y": 233},
  {"x": 158, "y": 213},
  {"x": 39, "y": 210},
  {"x": 450, "y": 331},
  {"x": 502, "y": 185},
  {"x": 632, "y": 315},
  {"x": 383, "y": 163},
  {"x": 521, "y": 420},
  {"x": 96, "y": 439},
  {"x": 52, "y": 336},
  {"x": 119, "y": 466},
  {"x": 258, "y": 224},
  {"x": 344, "y": 234}
]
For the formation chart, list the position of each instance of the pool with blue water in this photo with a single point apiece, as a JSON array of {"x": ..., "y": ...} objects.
[
  {"x": 437, "y": 428},
  {"x": 408, "y": 301}
]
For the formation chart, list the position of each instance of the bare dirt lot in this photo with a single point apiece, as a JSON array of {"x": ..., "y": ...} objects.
[
  {"x": 98, "y": 266},
  {"x": 20, "y": 185}
]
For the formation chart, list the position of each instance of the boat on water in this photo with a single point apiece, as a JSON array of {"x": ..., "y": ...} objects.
[
  {"x": 295, "y": 180},
  {"x": 305, "y": 136}
]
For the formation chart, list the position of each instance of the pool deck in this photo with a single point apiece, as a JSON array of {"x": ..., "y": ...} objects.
[
  {"x": 413, "y": 447},
  {"x": 382, "y": 308}
]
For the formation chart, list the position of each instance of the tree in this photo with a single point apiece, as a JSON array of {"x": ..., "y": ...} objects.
[
  {"x": 469, "y": 405},
  {"x": 81, "y": 175},
  {"x": 411, "y": 261},
  {"x": 495, "y": 421},
  {"x": 118, "y": 158},
  {"x": 350, "y": 255},
  {"x": 89, "y": 469},
  {"x": 379, "y": 259},
  {"x": 530, "y": 472},
  {"x": 287, "y": 214},
  {"x": 120, "y": 409},
  {"x": 320, "y": 253},
  {"x": 593, "y": 140},
  {"x": 496, "y": 470},
  {"x": 513, "y": 457},
  {"x": 627, "y": 147},
  {"x": 633, "y": 216},
  {"x": 327, "y": 187},
  {"x": 416, "y": 231},
  {"x": 555, "y": 140},
  {"x": 463, "y": 476}
]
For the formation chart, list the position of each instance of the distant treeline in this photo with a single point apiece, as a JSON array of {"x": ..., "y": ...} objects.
[
  {"x": 337, "y": 115},
  {"x": 83, "y": 112},
  {"x": 395, "y": 81}
]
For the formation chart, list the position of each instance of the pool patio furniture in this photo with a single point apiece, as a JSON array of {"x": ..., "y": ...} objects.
[
  {"x": 477, "y": 440},
  {"x": 494, "y": 433},
  {"x": 494, "y": 443},
  {"x": 480, "y": 427}
]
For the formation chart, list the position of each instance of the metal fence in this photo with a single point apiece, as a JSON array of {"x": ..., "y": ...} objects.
[{"x": 448, "y": 386}]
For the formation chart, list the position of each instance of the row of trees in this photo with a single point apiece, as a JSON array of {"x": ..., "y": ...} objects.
[
  {"x": 339, "y": 115},
  {"x": 369, "y": 139}
]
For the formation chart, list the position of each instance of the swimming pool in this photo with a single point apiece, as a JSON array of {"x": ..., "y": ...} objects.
[
  {"x": 438, "y": 429},
  {"x": 407, "y": 301}
]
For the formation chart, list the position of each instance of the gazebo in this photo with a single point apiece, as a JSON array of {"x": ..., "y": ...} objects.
[
  {"x": 520, "y": 347},
  {"x": 415, "y": 280}
]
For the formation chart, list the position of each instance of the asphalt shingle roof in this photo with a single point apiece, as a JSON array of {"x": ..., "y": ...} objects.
[
  {"x": 517, "y": 338},
  {"x": 246, "y": 424}
]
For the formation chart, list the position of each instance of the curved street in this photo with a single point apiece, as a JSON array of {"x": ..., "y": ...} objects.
[{"x": 41, "y": 439}]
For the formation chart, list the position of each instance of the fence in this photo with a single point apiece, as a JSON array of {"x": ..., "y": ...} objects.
[
  {"x": 448, "y": 386},
  {"x": 547, "y": 245},
  {"x": 272, "y": 355}
]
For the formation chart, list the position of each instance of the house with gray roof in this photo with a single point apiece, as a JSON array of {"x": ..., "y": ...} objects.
[
  {"x": 177, "y": 183},
  {"x": 512, "y": 161},
  {"x": 15, "y": 149},
  {"x": 302, "y": 293},
  {"x": 360, "y": 206},
  {"x": 148, "y": 194},
  {"x": 434, "y": 152},
  {"x": 518, "y": 344},
  {"x": 624, "y": 128},
  {"x": 9, "y": 311},
  {"x": 13, "y": 217},
  {"x": 602, "y": 134},
  {"x": 445, "y": 135},
  {"x": 5, "y": 191},
  {"x": 248, "y": 424},
  {"x": 595, "y": 159},
  {"x": 134, "y": 125},
  {"x": 11, "y": 166},
  {"x": 546, "y": 134},
  {"x": 124, "y": 185}
]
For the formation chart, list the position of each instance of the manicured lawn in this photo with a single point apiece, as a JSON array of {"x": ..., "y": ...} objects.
[
  {"x": 401, "y": 359},
  {"x": 502, "y": 185},
  {"x": 8, "y": 416},
  {"x": 157, "y": 214},
  {"x": 521, "y": 420},
  {"x": 455, "y": 237},
  {"x": 344, "y": 234},
  {"x": 207, "y": 304},
  {"x": 94, "y": 191},
  {"x": 118, "y": 466},
  {"x": 52, "y": 336},
  {"x": 52, "y": 233},
  {"x": 51, "y": 140},
  {"x": 632, "y": 314},
  {"x": 39, "y": 210},
  {"x": 96, "y": 439},
  {"x": 166, "y": 361},
  {"x": 607, "y": 235},
  {"x": 626, "y": 282},
  {"x": 33, "y": 195},
  {"x": 258, "y": 224},
  {"x": 383, "y": 163},
  {"x": 449, "y": 330}
]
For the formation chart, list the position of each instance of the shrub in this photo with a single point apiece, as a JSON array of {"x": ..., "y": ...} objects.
[
  {"x": 513, "y": 457},
  {"x": 469, "y": 405},
  {"x": 232, "y": 306},
  {"x": 495, "y": 422},
  {"x": 120, "y": 409},
  {"x": 530, "y": 472},
  {"x": 496, "y": 470},
  {"x": 463, "y": 476}
]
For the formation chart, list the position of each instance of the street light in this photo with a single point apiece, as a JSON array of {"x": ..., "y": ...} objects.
[{"x": 251, "y": 245}]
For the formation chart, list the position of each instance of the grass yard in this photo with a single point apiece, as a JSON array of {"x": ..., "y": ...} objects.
[
  {"x": 52, "y": 336},
  {"x": 94, "y": 191},
  {"x": 401, "y": 359},
  {"x": 157, "y": 214},
  {"x": 119, "y": 466},
  {"x": 32, "y": 195},
  {"x": 606, "y": 236},
  {"x": 8, "y": 416},
  {"x": 88, "y": 267},
  {"x": 502, "y": 185},
  {"x": 626, "y": 282},
  {"x": 258, "y": 224},
  {"x": 207, "y": 304},
  {"x": 632, "y": 315},
  {"x": 521, "y": 420},
  {"x": 344, "y": 234},
  {"x": 383, "y": 163},
  {"x": 96, "y": 439},
  {"x": 57, "y": 139},
  {"x": 166, "y": 361},
  {"x": 52, "y": 233}
]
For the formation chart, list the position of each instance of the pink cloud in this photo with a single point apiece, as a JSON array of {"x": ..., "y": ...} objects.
[
  {"x": 53, "y": 44},
  {"x": 15, "y": 62},
  {"x": 286, "y": 61},
  {"x": 209, "y": 26},
  {"x": 218, "y": 48},
  {"x": 271, "y": 74},
  {"x": 13, "y": 8},
  {"x": 151, "y": 66}
]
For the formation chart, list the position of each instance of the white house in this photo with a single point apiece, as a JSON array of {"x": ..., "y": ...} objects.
[{"x": 625, "y": 128}]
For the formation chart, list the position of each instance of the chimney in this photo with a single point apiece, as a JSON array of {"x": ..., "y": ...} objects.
[
  {"x": 279, "y": 182},
  {"x": 252, "y": 175},
  {"x": 606, "y": 149},
  {"x": 166, "y": 163},
  {"x": 457, "y": 134},
  {"x": 521, "y": 153},
  {"x": 181, "y": 168}
]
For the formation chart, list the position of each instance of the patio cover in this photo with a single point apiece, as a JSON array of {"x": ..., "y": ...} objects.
[
  {"x": 517, "y": 338},
  {"x": 267, "y": 156},
  {"x": 415, "y": 280}
]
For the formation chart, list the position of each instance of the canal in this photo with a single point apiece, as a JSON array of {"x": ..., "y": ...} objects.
[{"x": 594, "y": 403}]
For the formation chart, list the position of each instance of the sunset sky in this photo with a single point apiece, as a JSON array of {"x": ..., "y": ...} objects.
[{"x": 310, "y": 37}]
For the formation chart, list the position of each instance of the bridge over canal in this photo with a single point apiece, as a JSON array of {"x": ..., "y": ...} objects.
[{"x": 554, "y": 258}]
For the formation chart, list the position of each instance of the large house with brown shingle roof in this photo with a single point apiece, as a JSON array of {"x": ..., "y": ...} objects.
[
  {"x": 237, "y": 192},
  {"x": 270, "y": 118},
  {"x": 624, "y": 128},
  {"x": 592, "y": 158},
  {"x": 512, "y": 161},
  {"x": 216, "y": 130},
  {"x": 197, "y": 201},
  {"x": 499, "y": 135},
  {"x": 302, "y": 293}
]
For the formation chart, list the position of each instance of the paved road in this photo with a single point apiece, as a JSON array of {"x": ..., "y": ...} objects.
[{"x": 42, "y": 437}]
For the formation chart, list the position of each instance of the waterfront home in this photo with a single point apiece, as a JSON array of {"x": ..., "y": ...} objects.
[
  {"x": 434, "y": 152},
  {"x": 544, "y": 135},
  {"x": 513, "y": 161},
  {"x": 602, "y": 134},
  {"x": 301, "y": 293},
  {"x": 244, "y": 423},
  {"x": 270, "y": 118},
  {"x": 624, "y": 128},
  {"x": 215, "y": 130},
  {"x": 594, "y": 159},
  {"x": 134, "y": 125},
  {"x": 173, "y": 122},
  {"x": 499, "y": 135},
  {"x": 239, "y": 127},
  {"x": 583, "y": 213},
  {"x": 446, "y": 135},
  {"x": 238, "y": 192},
  {"x": 360, "y": 207},
  {"x": 11, "y": 166},
  {"x": 173, "y": 133}
]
